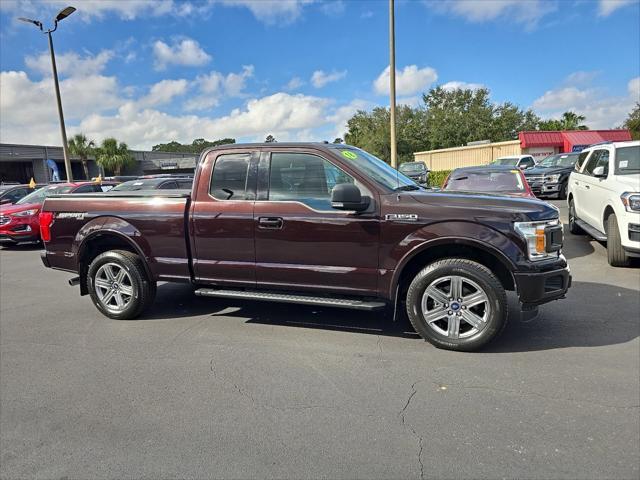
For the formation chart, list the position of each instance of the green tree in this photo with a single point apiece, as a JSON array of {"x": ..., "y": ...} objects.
[
  {"x": 338, "y": 140},
  {"x": 114, "y": 157},
  {"x": 568, "y": 121},
  {"x": 633, "y": 122},
  {"x": 509, "y": 119},
  {"x": 270, "y": 139},
  {"x": 197, "y": 146},
  {"x": 370, "y": 131},
  {"x": 80, "y": 146}
]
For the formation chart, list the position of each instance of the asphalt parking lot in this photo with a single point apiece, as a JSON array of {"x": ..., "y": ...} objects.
[{"x": 202, "y": 388}]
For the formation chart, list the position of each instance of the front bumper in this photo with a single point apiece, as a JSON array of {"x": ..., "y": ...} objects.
[
  {"x": 542, "y": 287},
  {"x": 541, "y": 189}
]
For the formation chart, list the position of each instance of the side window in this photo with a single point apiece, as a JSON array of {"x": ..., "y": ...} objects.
[
  {"x": 229, "y": 177},
  {"x": 172, "y": 185},
  {"x": 603, "y": 161},
  {"x": 185, "y": 184},
  {"x": 105, "y": 188},
  {"x": 304, "y": 178},
  {"x": 581, "y": 158},
  {"x": 527, "y": 162},
  {"x": 592, "y": 162},
  {"x": 84, "y": 189}
]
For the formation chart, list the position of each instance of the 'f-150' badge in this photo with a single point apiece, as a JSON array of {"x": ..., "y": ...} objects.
[{"x": 401, "y": 217}]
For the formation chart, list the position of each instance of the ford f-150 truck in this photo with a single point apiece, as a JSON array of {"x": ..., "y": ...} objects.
[{"x": 319, "y": 224}]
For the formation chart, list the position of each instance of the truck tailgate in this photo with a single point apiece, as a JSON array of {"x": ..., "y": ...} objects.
[{"x": 152, "y": 223}]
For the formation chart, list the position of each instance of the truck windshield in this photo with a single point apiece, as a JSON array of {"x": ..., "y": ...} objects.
[
  {"x": 39, "y": 195},
  {"x": 378, "y": 170},
  {"x": 628, "y": 160},
  {"x": 559, "y": 161},
  {"x": 412, "y": 167},
  {"x": 511, "y": 162}
]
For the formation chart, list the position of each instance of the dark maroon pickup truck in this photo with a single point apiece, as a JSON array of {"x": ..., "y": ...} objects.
[{"x": 317, "y": 224}]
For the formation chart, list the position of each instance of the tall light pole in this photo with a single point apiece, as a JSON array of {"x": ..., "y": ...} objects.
[
  {"x": 62, "y": 14},
  {"x": 392, "y": 84}
]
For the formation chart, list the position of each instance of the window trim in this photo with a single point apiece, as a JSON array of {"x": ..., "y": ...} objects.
[
  {"x": 250, "y": 184},
  {"x": 265, "y": 168}
]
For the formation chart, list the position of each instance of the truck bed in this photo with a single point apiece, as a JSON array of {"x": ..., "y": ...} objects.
[{"x": 154, "y": 222}]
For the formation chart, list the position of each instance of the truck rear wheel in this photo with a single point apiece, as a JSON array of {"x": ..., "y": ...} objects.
[
  {"x": 616, "y": 255},
  {"x": 457, "y": 304},
  {"x": 119, "y": 286}
]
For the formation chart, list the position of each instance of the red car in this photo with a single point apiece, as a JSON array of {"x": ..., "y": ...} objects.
[
  {"x": 503, "y": 180},
  {"x": 19, "y": 222}
]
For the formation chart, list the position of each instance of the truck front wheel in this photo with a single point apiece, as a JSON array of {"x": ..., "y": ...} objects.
[
  {"x": 119, "y": 286},
  {"x": 457, "y": 304}
]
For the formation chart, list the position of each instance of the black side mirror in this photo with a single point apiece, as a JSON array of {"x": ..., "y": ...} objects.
[{"x": 346, "y": 196}]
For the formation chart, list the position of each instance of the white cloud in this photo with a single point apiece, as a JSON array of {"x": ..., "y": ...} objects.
[
  {"x": 271, "y": 11},
  {"x": 455, "y": 85},
  {"x": 185, "y": 52},
  {"x": 409, "y": 81},
  {"x": 70, "y": 63},
  {"x": 333, "y": 7},
  {"x": 320, "y": 78},
  {"x": 607, "y": 7},
  {"x": 341, "y": 115},
  {"x": 215, "y": 85},
  {"x": 294, "y": 84},
  {"x": 600, "y": 109},
  {"x": 163, "y": 92},
  {"x": 520, "y": 11},
  {"x": 94, "y": 9}
]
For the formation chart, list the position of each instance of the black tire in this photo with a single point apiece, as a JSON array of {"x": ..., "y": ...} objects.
[
  {"x": 467, "y": 269},
  {"x": 564, "y": 190},
  {"x": 144, "y": 290},
  {"x": 573, "y": 226},
  {"x": 616, "y": 255}
]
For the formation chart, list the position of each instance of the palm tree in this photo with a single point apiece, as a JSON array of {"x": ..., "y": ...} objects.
[
  {"x": 79, "y": 146},
  {"x": 573, "y": 121},
  {"x": 114, "y": 156}
]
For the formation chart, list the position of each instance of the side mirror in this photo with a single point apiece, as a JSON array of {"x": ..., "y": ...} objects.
[
  {"x": 599, "y": 172},
  {"x": 346, "y": 196}
]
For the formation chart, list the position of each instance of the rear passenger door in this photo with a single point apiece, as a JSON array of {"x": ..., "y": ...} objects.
[
  {"x": 301, "y": 242},
  {"x": 221, "y": 220},
  {"x": 580, "y": 193}
]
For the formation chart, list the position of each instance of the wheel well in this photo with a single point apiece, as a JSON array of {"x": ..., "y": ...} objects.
[
  {"x": 93, "y": 247},
  {"x": 607, "y": 213},
  {"x": 468, "y": 252}
]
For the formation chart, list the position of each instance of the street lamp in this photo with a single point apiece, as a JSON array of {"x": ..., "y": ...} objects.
[
  {"x": 62, "y": 14},
  {"x": 392, "y": 85}
]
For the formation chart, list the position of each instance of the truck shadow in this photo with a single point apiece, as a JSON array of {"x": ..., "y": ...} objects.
[
  {"x": 576, "y": 246},
  {"x": 577, "y": 321}
]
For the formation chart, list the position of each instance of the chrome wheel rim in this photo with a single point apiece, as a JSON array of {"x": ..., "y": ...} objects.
[
  {"x": 455, "y": 307},
  {"x": 114, "y": 287}
]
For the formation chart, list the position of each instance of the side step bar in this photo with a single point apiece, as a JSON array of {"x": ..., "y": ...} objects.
[
  {"x": 352, "y": 303},
  {"x": 595, "y": 233}
]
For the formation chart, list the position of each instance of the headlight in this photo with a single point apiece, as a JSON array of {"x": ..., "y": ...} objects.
[
  {"x": 631, "y": 201},
  {"x": 553, "y": 178},
  {"x": 535, "y": 236},
  {"x": 25, "y": 213}
]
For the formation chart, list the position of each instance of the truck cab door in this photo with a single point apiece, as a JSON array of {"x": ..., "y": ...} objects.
[
  {"x": 302, "y": 243},
  {"x": 221, "y": 218},
  {"x": 596, "y": 193}
]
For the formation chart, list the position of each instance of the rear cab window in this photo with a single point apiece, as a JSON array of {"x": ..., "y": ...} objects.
[{"x": 229, "y": 176}]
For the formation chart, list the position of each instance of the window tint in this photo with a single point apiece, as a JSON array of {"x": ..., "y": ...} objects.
[
  {"x": 185, "y": 184},
  {"x": 527, "y": 162},
  {"x": 304, "y": 178},
  {"x": 602, "y": 160},
  {"x": 628, "y": 160},
  {"x": 581, "y": 159},
  {"x": 591, "y": 163},
  {"x": 84, "y": 189},
  {"x": 105, "y": 188},
  {"x": 229, "y": 178}
]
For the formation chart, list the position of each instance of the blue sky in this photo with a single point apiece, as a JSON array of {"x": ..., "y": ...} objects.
[{"x": 150, "y": 71}]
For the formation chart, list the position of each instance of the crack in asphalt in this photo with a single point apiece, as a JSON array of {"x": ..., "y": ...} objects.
[
  {"x": 413, "y": 431},
  {"x": 256, "y": 403}
]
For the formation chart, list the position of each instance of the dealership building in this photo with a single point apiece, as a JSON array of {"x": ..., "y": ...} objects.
[
  {"x": 20, "y": 163},
  {"x": 537, "y": 144}
]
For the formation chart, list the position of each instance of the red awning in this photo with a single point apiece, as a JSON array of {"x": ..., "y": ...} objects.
[
  {"x": 540, "y": 139},
  {"x": 615, "y": 135},
  {"x": 580, "y": 137}
]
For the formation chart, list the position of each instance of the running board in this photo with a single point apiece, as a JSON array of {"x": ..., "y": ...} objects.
[
  {"x": 595, "y": 233},
  {"x": 352, "y": 303}
]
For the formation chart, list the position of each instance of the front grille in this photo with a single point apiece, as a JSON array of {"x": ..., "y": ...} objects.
[
  {"x": 4, "y": 219},
  {"x": 534, "y": 178}
]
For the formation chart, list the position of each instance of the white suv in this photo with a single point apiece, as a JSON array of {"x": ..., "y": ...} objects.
[{"x": 604, "y": 198}]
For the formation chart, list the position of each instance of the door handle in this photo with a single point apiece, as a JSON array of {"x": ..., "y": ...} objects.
[
  {"x": 272, "y": 223},
  {"x": 587, "y": 187}
]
